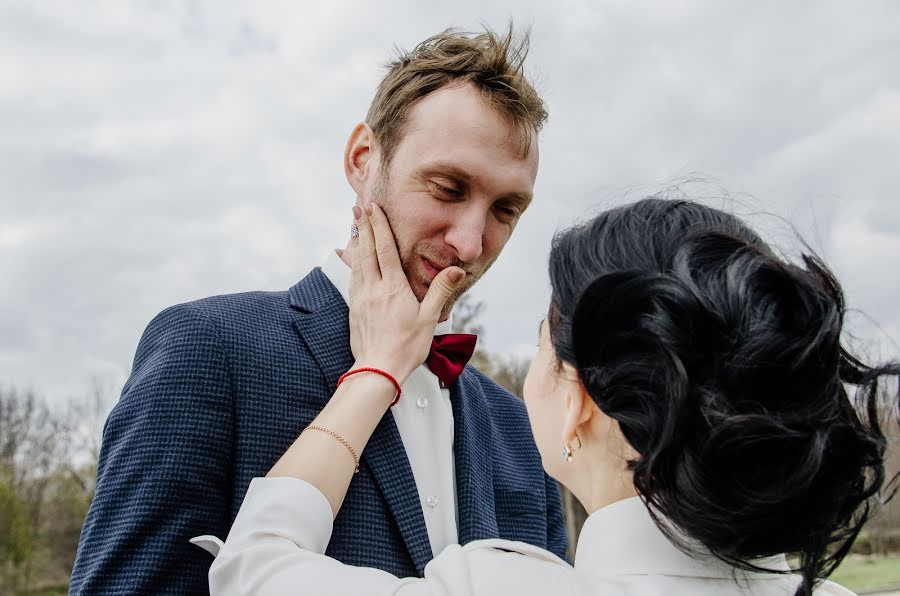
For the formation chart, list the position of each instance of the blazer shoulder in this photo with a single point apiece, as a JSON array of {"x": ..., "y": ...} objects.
[
  {"x": 501, "y": 401},
  {"x": 217, "y": 321},
  {"x": 229, "y": 304},
  {"x": 246, "y": 310},
  {"x": 494, "y": 390}
]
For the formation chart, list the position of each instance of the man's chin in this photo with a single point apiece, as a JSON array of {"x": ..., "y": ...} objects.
[
  {"x": 421, "y": 281},
  {"x": 420, "y": 287}
]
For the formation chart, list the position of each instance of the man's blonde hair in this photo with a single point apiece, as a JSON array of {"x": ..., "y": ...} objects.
[{"x": 492, "y": 62}]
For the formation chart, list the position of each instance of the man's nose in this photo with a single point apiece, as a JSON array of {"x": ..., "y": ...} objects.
[{"x": 466, "y": 232}]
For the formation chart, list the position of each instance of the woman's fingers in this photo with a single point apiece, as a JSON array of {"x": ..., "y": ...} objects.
[
  {"x": 442, "y": 287},
  {"x": 385, "y": 245},
  {"x": 356, "y": 279},
  {"x": 368, "y": 260}
]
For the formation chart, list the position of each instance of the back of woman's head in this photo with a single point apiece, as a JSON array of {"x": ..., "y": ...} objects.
[{"x": 723, "y": 365}]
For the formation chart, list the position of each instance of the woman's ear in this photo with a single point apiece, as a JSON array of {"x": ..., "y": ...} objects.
[
  {"x": 360, "y": 160},
  {"x": 580, "y": 409}
]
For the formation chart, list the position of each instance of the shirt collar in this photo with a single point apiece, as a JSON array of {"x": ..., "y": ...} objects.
[
  {"x": 622, "y": 539},
  {"x": 338, "y": 273}
]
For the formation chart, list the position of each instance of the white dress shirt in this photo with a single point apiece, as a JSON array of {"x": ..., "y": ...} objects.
[
  {"x": 424, "y": 419},
  {"x": 277, "y": 542}
]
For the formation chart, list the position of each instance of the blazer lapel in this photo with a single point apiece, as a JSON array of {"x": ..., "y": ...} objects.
[
  {"x": 386, "y": 457},
  {"x": 323, "y": 323},
  {"x": 474, "y": 467}
]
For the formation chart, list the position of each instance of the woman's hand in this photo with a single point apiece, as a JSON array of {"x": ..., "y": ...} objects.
[{"x": 389, "y": 328}]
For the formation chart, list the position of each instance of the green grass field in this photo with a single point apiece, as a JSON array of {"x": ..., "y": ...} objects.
[{"x": 859, "y": 572}]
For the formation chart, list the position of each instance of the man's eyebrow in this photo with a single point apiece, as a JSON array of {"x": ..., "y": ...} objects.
[
  {"x": 525, "y": 199},
  {"x": 446, "y": 170}
]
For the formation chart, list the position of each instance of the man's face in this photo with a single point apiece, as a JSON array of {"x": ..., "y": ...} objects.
[{"x": 455, "y": 187}]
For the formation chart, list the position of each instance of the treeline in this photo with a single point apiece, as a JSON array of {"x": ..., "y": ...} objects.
[{"x": 47, "y": 472}]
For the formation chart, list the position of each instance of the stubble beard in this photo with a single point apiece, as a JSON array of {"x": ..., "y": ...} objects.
[{"x": 409, "y": 255}]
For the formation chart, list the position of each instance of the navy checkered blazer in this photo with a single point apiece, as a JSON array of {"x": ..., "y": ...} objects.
[{"x": 222, "y": 386}]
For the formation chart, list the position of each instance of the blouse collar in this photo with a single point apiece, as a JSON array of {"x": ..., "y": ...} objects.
[{"x": 623, "y": 539}]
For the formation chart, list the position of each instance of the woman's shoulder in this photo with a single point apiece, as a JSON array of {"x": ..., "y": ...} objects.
[
  {"x": 828, "y": 588},
  {"x": 500, "y": 567},
  {"x": 521, "y": 548},
  {"x": 504, "y": 567}
]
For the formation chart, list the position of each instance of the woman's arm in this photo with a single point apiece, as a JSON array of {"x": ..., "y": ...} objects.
[
  {"x": 389, "y": 330},
  {"x": 276, "y": 543},
  {"x": 321, "y": 459},
  {"x": 275, "y": 546}
]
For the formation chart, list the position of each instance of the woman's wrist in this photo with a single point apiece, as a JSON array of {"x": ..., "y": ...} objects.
[
  {"x": 367, "y": 386},
  {"x": 391, "y": 369}
]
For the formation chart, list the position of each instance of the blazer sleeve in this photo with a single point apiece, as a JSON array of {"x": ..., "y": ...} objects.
[
  {"x": 165, "y": 466},
  {"x": 557, "y": 536}
]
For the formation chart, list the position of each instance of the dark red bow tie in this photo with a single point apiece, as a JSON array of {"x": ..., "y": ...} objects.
[{"x": 448, "y": 355}]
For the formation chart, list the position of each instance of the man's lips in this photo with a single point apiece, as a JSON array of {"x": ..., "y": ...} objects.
[{"x": 432, "y": 269}]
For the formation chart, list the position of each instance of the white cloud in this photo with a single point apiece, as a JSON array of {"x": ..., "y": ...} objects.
[{"x": 159, "y": 152}]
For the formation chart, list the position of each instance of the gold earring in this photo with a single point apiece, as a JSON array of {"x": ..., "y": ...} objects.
[{"x": 568, "y": 452}]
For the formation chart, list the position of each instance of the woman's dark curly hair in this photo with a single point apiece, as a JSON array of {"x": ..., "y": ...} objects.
[{"x": 723, "y": 365}]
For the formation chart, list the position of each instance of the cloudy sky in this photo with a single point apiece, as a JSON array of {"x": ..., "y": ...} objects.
[{"x": 158, "y": 152}]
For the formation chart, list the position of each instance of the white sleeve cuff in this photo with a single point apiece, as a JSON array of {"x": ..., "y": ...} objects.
[{"x": 286, "y": 507}]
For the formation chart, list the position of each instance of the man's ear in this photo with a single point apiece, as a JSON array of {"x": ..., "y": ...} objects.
[{"x": 360, "y": 160}]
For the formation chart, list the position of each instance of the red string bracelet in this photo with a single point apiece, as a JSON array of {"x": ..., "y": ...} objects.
[{"x": 384, "y": 374}]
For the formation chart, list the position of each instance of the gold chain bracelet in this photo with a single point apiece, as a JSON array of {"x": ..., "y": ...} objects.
[{"x": 343, "y": 441}]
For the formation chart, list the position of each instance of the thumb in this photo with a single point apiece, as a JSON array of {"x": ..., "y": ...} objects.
[{"x": 442, "y": 287}]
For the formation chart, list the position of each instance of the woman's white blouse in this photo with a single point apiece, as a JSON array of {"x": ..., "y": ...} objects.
[{"x": 276, "y": 543}]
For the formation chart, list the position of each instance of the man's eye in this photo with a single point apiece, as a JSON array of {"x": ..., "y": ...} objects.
[
  {"x": 508, "y": 212},
  {"x": 447, "y": 190}
]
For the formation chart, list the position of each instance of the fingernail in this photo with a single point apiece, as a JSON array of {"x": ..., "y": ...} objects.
[
  {"x": 456, "y": 275},
  {"x": 369, "y": 209},
  {"x": 357, "y": 212}
]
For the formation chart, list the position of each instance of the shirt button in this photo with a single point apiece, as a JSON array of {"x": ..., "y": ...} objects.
[
  {"x": 422, "y": 402},
  {"x": 432, "y": 501}
]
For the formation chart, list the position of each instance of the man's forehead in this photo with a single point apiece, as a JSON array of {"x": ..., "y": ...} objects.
[{"x": 460, "y": 113}]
